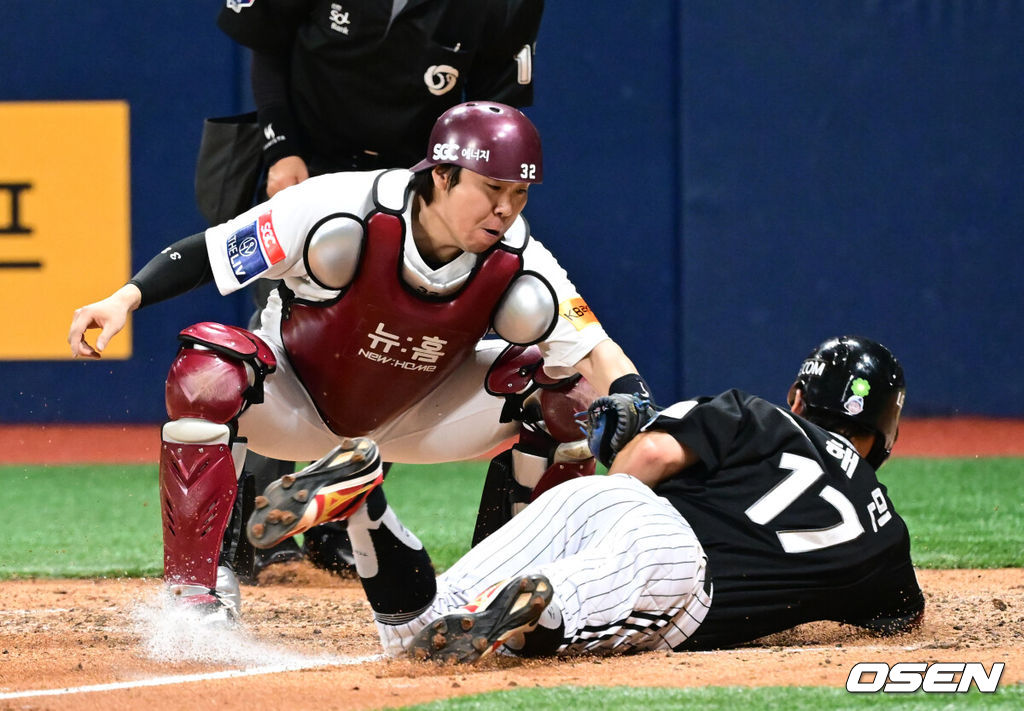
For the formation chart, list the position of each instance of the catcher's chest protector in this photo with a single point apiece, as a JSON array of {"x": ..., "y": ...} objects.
[{"x": 380, "y": 347}]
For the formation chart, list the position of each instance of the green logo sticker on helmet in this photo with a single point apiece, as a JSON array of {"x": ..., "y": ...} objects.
[{"x": 860, "y": 387}]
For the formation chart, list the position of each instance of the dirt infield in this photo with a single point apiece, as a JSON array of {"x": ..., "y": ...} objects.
[
  {"x": 68, "y": 637},
  {"x": 308, "y": 641},
  {"x": 78, "y": 634}
]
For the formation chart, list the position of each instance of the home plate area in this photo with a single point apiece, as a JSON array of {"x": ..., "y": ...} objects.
[{"x": 308, "y": 642}]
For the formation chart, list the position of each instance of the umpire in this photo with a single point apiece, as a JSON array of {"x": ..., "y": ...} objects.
[{"x": 358, "y": 85}]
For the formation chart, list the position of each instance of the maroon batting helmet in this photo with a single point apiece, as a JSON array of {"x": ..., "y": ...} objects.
[{"x": 494, "y": 140}]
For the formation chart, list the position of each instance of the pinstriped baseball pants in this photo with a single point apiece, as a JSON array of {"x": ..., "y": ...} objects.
[{"x": 626, "y": 568}]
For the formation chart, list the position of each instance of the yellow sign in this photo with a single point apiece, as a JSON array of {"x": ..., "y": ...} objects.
[{"x": 64, "y": 221}]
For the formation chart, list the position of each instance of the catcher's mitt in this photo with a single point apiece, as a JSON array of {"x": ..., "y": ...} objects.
[{"x": 612, "y": 421}]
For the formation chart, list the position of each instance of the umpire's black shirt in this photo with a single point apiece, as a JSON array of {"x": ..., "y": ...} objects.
[{"x": 361, "y": 80}]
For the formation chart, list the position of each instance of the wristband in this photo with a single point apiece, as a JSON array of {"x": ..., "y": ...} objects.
[{"x": 630, "y": 384}]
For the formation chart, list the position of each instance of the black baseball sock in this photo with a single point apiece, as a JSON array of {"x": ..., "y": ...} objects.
[{"x": 393, "y": 566}]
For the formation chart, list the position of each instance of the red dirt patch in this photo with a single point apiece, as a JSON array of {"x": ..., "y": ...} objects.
[
  {"x": 140, "y": 444},
  {"x": 69, "y": 444},
  {"x": 960, "y": 437}
]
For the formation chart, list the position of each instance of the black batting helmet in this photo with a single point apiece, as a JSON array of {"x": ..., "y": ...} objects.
[{"x": 856, "y": 380}]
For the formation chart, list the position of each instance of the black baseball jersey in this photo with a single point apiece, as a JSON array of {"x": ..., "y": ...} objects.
[
  {"x": 795, "y": 525},
  {"x": 361, "y": 78}
]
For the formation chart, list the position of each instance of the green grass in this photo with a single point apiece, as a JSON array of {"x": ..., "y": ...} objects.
[
  {"x": 89, "y": 521},
  {"x": 439, "y": 504},
  {"x": 80, "y": 521},
  {"x": 962, "y": 513},
  {"x": 92, "y": 521},
  {"x": 719, "y": 698}
]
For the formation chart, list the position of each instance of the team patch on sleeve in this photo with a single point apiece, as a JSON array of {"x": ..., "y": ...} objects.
[
  {"x": 252, "y": 249},
  {"x": 576, "y": 312}
]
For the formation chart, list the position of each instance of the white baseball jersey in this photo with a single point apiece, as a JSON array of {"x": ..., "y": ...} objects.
[{"x": 458, "y": 419}]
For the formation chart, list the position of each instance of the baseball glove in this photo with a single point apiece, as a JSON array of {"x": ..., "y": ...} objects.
[{"x": 612, "y": 421}]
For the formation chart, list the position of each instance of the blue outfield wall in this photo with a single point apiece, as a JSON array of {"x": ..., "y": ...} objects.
[
  {"x": 855, "y": 166},
  {"x": 727, "y": 181}
]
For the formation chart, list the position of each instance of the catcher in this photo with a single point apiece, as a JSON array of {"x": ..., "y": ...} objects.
[
  {"x": 391, "y": 280},
  {"x": 724, "y": 519}
]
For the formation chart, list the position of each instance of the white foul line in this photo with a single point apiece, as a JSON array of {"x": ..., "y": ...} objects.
[
  {"x": 837, "y": 650},
  {"x": 189, "y": 678},
  {"x": 310, "y": 664}
]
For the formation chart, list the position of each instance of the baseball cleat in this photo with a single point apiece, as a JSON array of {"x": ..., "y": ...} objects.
[
  {"x": 211, "y": 609},
  {"x": 503, "y": 611},
  {"x": 330, "y": 489},
  {"x": 214, "y": 607}
]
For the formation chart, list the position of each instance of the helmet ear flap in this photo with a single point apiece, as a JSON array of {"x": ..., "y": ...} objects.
[{"x": 879, "y": 452}]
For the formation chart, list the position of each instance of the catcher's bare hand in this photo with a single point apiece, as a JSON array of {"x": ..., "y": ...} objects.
[
  {"x": 612, "y": 421},
  {"x": 110, "y": 315}
]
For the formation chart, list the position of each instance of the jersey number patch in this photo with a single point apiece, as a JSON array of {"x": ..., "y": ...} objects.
[{"x": 804, "y": 472}]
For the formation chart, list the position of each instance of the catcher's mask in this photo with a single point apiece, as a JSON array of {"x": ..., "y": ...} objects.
[
  {"x": 856, "y": 380},
  {"x": 492, "y": 139}
]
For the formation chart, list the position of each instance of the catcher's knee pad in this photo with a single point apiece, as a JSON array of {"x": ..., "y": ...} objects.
[
  {"x": 570, "y": 460},
  {"x": 218, "y": 372},
  {"x": 511, "y": 377},
  {"x": 198, "y": 484}
]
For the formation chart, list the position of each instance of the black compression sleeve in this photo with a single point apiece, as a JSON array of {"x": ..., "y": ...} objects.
[{"x": 181, "y": 267}]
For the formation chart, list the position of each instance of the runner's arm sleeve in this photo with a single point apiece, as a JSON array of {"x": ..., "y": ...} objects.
[{"x": 708, "y": 426}]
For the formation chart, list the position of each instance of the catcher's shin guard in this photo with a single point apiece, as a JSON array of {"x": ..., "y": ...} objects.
[
  {"x": 198, "y": 484},
  {"x": 519, "y": 475},
  {"x": 218, "y": 373}
]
